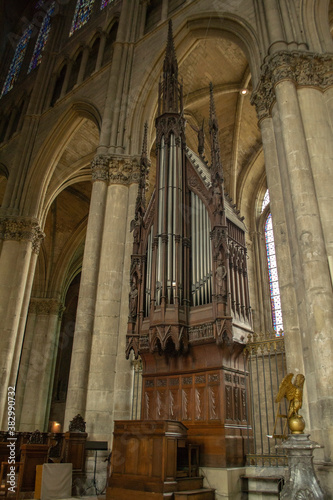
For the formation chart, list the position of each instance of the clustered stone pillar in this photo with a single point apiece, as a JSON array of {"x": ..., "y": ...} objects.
[
  {"x": 290, "y": 82},
  {"x": 99, "y": 369},
  {"x": 78, "y": 378},
  {"x": 22, "y": 238},
  {"x": 38, "y": 363}
]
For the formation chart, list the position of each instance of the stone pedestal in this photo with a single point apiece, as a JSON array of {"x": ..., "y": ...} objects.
[{"x": 302, "y": 483}]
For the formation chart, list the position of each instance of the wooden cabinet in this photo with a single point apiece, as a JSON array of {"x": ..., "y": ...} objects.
[
  {"x": 144, "y": 459},
  {"x": 31, "y": 456}
]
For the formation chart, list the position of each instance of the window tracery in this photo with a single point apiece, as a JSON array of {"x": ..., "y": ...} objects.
[
  {"x": 105, "y": 3},
  {"x": 41, "y": 39},
  {"x": 17, "y": 61},
  {"x": 82, "y": 14},
  {"x": 273, "y": 276}
]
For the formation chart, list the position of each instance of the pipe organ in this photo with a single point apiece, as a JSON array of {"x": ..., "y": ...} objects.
[{"x": 189, "y": 309}]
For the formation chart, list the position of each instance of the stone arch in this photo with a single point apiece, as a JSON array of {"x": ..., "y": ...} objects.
[
  {"x": 315, "y": 21},
  {"x": 144, "y": 97},
  {"x": 46, "y": 168}
]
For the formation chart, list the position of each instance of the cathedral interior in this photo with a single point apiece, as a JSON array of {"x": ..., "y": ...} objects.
[{"x": 166, "y": 244}]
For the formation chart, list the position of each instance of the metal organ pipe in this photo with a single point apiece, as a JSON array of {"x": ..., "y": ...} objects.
[
  {"x": 179, "y": 224},
  {"x": 193, "y": 228},
  {"x": 170, "y": 210},
  {"x": 148, "y": 271},
  {"x": 197, "y": 251},
  {"x": 161, "y": 190},
  {"x": 201, "y": 252},
  {"x": 174, "y": 214},
  {"x": 201, "y": 234}
]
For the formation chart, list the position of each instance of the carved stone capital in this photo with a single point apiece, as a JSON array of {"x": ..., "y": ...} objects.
[
  {"x": 20, "y": 228},
  {"x": 100, "y": 168},
  {"x": 303, "y": 68},
  {"x": 124, "y": 170}
]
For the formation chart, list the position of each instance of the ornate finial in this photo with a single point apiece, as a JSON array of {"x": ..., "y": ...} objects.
[
  {"x": 212, "y": 110},
  {"x": 144, "y": 152},
  {"x": 214, "y": 137},
  {"x": 36, "y": 438},
  {"x": 170, "y": 65},
  {"x": 201, "y": 137},
  {"x": 170, "y": 90},
  {"x": 77, "y": 424},
  {"x": 217, "y": 189}
]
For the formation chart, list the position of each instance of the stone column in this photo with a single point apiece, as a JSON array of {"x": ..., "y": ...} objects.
[
  {"x": 108, "y": 343},
  {"x": 78, "y": 377},
  {"x": 66, "y": 79},
  {"x": 39, "y": 363},
  {"x": 164, "y": 14},
  {"x": 319, "y": 139},
  {"x": 101, "y": 49},
  {"x": 21, "y": 237},
  {"x": 123, "y": 373},
  {"x": 285, "y": 77},
  {"x": 83, "y": 65}
]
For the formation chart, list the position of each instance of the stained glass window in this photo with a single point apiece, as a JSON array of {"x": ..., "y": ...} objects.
[
  {"x": 82, "y": 14},
  {"x": 41, "y": 39},
  {"x": 273, "y": 276},
  {"x": 17, "y": 61},
  {"x": 105, "y": 3}
]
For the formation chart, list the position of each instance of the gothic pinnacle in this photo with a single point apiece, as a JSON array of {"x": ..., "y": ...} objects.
[
  {"x": 214, "y": 138},
  {"x": 170, "y": 61},
  {"x": 144, "y": 153}
]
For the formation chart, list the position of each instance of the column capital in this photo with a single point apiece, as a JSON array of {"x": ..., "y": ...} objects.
[
  {"x": 20, "y": 229},
  {"x": 305, "y": 69},
  {"x": 117, "y": 169},
  {"x": 100, "y": 168},
  {"x": 124, "y": 170},
  {"x": 46, "y": 306}
]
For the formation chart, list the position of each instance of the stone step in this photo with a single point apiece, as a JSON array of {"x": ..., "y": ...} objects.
[
  {"x": 190, "y": 483},
  {"x": 202, "y": 494},
  {"x": 262, "y": 487}
]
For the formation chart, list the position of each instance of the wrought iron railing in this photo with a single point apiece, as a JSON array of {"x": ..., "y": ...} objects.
[{"x": 266, "y": 365}]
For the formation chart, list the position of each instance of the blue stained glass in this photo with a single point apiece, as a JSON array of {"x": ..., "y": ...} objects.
[
  {"x": 273, "y": 276},
  {"x": 105, "y": 3},
  {"x": 17, "y": 61},
  {"x": 82, "y": 14},
  {"x": 41, "y": 39}
]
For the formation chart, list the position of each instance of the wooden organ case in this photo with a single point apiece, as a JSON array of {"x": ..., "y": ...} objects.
[{"x": 189, "y": 308}]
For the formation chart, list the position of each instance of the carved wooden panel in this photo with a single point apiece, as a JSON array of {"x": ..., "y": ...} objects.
[
  {"x": 237, "y": 409},
  {"x": 199, "y": 406},
  {"x": 204, "y": 396},
  {"x": 213, "y": 403},
  {"x": 161, "y": 404},
  {"x": 148, "y": 405},
  {"x": 228, "y": 402},
  {"x": 174, "y": 405},
  {"x": 186, "y": 404},
  {"x": 243, "y": 406}
]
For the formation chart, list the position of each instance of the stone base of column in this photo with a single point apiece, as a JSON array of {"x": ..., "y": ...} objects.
[{"x": 302, "y": 482}]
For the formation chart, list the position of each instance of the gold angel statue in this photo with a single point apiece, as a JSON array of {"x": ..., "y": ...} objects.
[{"x": 292, "y": 392}]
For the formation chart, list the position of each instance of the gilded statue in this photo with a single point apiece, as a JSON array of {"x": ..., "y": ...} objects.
[{"x": 292, "y": 392}]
